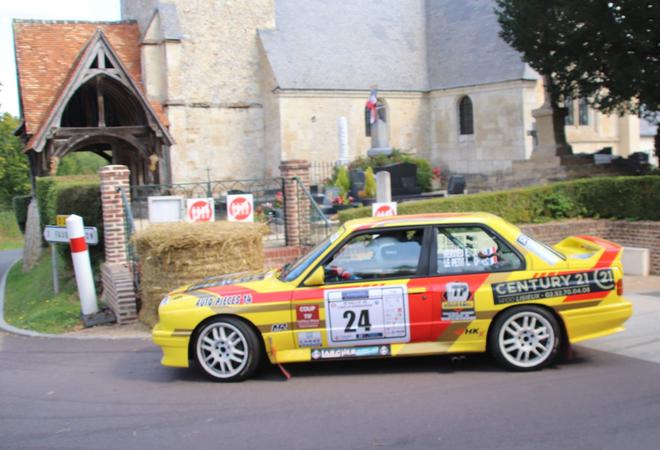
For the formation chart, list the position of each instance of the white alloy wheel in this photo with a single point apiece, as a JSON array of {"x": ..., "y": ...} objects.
[
  {"x": 223, "y": 351},
  {"x": 526, "y": 339}
]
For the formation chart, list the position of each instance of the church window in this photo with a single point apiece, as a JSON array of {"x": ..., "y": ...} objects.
[
  {"x": 583, "y": 112},
  {"x": 465, "y": 116},
  {"x": 570, "y": 111}
]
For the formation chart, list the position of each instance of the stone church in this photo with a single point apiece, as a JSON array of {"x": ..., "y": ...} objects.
[{"x": 181, "y": 86}]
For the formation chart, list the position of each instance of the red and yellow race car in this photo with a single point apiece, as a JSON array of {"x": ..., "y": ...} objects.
[{"x": 402, "y": 286}]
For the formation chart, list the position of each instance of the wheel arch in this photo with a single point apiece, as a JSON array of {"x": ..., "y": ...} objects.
[{"x": 203, "y": 323}]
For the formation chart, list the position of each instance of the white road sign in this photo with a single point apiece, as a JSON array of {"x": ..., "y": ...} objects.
[{"x": 54, "y": 233}]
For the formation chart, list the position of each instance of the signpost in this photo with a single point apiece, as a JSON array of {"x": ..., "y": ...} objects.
[
  {"x": 55, "y": 234},
  {"x": 200, "y": 210},
  {"x": 383, "y": 209},
  {"x": 240, "y": 208}
]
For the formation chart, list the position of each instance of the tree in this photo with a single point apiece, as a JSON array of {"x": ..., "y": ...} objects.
[
  {"x": 605, "y": 51},
  {"x": 14, "y": 170}
]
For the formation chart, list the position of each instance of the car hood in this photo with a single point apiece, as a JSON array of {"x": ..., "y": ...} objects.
[{"x": 226, "y": 280}]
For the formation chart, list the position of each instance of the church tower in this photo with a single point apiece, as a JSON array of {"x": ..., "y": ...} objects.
[{"x": 201, "y": 59}]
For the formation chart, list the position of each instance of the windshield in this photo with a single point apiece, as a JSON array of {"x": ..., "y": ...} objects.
[{"x": 294, "y": 270}]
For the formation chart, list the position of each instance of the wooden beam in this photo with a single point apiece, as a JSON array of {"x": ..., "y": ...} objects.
[
  {"x": 99, "y": 101},
  {"x": 134, "y": 131}
]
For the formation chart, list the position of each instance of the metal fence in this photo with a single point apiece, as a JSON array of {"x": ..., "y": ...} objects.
[
  {"x": 267, "y": 193},
  {"x": 320, "y": 172},
  {"x": 314, "y": 225}
]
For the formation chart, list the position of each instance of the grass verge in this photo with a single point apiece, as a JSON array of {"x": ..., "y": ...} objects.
[
  {"x": 10, "y": 235},
  {"x": 30, "y": 302}
]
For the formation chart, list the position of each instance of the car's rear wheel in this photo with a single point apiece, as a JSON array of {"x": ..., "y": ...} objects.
[
  {"x": 525, "y": 338},
  {"x": 227, "y": 349}
]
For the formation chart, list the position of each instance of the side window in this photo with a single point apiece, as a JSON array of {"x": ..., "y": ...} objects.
[
  {"x": 382, "y": 254},
  {"x": 473, "y": 249}
]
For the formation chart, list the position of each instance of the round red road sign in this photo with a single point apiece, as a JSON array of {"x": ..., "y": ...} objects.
[
  {"x": 240, "y": 208},
  {"x": 200, "y": 211}
]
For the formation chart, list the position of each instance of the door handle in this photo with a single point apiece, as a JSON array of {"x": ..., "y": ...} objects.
[{"x": 417, "y": 290}]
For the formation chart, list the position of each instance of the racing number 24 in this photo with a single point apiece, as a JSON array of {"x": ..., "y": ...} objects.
[{"x": 363, "y": 320}]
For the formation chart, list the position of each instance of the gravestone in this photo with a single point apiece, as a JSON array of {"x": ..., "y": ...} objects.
[
  {"x": 358, "y": 181},
  {"x": 403, "y": 178}
]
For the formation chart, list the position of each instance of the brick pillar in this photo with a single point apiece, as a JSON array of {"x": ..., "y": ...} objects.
[
  {"x": 118, "y": 288},
  {"x": 296, "y": 204},
  {"x": 114, "y": 230}
]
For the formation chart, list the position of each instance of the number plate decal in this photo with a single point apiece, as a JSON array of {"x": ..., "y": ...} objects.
[{"x": 377, "y": 315}]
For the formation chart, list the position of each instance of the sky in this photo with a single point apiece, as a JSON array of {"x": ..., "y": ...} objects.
[{"x": 40, "y": 9}]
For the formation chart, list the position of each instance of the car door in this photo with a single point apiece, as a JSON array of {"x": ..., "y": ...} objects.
[
  {"x": 465, "y": 261},
  {"x": 370, "y": 296}
]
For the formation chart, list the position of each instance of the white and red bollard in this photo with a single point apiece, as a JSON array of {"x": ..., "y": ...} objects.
[{"x": 82, "y": 265}]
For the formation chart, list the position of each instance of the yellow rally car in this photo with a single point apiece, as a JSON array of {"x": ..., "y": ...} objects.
[{"x": 402, "y": 286}]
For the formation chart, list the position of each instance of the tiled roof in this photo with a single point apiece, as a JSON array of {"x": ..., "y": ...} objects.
[
  {"x": 47, "y": 52},
  {"x": 408, "y": 45}
]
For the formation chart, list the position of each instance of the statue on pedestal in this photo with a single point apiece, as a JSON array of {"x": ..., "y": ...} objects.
[{"x": 375, "y": 120}]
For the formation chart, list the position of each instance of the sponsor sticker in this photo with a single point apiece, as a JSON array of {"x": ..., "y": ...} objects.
[
  {"x": 309, "y": 339},
  {"x": 307, "y": 316},
  {"x": 223, "y": 300},
  {"x": 351, "y": 352},
  {"x": 279, "y": 327},
  {"x": 368, "y": 315},
  {"x": 561, "y": 285},
  {"x": 458, "y": 304}
]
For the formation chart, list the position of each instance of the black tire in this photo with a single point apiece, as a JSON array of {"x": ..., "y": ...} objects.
[
  {"x": 525, "y": 338},
  {"x": 227, "y": 349}
]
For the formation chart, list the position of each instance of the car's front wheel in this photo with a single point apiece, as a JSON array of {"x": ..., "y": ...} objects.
[
  {"x": 227, "y": 349},
  {"x": 525, "y": 338}
]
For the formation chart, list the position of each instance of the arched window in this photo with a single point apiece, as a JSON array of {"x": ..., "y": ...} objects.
[
  {"x": 570, "y": 111},
  {"x": 465, "y": 115},
  {"x": 583, "y": 111}
]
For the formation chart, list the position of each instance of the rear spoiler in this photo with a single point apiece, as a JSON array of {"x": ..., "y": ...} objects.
[{"x": 593, "y": 251}]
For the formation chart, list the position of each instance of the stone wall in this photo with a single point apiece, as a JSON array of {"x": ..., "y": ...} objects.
[
  {"x": 278, "y": 256},
  {"x": 499, "y": 129},
  {"x": 309, "y": 123},
  {"x": 644, "y": 234}
]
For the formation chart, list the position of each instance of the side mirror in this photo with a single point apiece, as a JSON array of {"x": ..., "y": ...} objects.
[{"x": 317, "y": 278}]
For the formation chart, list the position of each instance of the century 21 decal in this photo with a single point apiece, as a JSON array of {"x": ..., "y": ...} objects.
[{"x": 561, "y": 285}]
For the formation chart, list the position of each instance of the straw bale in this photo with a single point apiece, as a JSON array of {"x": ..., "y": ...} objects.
[{"x": 172, "y": 255}]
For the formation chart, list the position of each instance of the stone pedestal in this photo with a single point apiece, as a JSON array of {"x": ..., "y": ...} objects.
[{"x": 546, "y": 149}]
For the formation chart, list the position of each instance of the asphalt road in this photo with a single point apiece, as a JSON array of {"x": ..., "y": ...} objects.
[{"x": 103, "y": 394}]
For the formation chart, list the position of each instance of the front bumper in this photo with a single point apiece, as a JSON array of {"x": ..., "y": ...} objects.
[{"x": 174, "y": 345}]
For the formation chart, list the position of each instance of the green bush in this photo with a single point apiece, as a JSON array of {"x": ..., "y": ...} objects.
[
  {"x": 424, "y": 170},
  {"x": 635, "y": 198},
  {"x": 72, "y": 195},
  {"x": 20, "y": 205},
  {"x": 370, "y": 186}
]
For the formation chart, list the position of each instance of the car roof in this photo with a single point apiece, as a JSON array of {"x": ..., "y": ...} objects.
[{"x": 424, "y": 219}]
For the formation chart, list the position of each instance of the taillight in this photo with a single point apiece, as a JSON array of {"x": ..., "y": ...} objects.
[{"x": 619, "y": 287}]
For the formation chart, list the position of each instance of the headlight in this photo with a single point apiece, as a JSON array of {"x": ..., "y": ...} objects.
[{"x": 164, "y": 301}]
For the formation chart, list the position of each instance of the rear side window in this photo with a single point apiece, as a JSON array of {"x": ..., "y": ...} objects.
[{"x": 472, "y": 249}]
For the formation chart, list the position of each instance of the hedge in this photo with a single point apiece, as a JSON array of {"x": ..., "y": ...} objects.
[
  {"x": 634, "y": 198},
  {"x": 79, "y": 195},
  {"x": 20, "y": 205}
]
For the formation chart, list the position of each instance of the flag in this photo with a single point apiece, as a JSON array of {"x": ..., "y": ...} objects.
[{"x": 371, "y": 106}]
